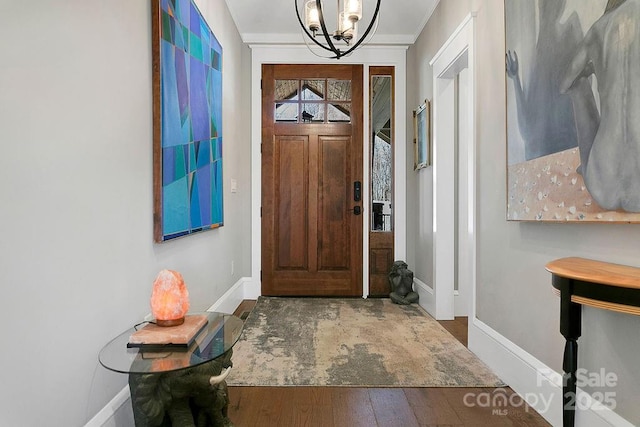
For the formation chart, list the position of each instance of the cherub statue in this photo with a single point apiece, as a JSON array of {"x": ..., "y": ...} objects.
[{"x": 401, "y": 280}]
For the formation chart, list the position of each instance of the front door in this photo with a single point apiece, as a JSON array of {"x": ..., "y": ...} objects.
[{"x": 312, "y": 180}]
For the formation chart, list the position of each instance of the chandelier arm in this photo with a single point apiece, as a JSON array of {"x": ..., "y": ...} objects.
[
  {"x": 313, "y": 52},
  {"x": 295, "y": 2},
  {"x": 332, "y": 48},
  {"x": 366, "y": 33},
  {"x": 371, "y": 34}
]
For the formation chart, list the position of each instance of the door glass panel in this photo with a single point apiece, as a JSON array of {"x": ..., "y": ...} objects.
[
  {"x": 286, "y": 112},
  {"x": 381, "y": 154},
  {"x": 339, "y": 113},
  {"x": 313, "y": 90},
  {"x": 312, "y": 101},
  {"x": 339, "y": 90},
  {"x": 312, "y": 112},
  {"x": 286, "y": 90}
]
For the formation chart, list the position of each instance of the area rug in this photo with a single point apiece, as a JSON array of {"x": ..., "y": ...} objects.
[{"x": 351, "y": 342}]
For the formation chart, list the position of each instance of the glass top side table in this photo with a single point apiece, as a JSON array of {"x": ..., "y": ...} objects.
[
  {"x": 179, "y": 387},
  {"x": 218, "y": 336}
]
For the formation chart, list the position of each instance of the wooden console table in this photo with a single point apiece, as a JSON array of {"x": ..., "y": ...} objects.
[{"x": 597, "y": 284}]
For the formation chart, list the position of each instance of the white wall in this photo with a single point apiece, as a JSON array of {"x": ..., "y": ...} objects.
[
  {"x": 514, "y": 294},
  {"x": 419, "y": 182},
  {"x": 76, "y": 248}
]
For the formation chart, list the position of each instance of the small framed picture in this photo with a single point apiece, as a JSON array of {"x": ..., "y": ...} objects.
[{"x": 422, "y": 136}]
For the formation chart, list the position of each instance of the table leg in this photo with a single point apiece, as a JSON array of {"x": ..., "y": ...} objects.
[
  {"x": 571, "y": 329},
  {"x": 569, "y": 366}
]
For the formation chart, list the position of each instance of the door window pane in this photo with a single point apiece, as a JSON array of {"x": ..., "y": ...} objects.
[
  {"x": 339, "y": 112},
  {"x": 313, "y": 90},
  {"x": 286, "y": 90},
  {"x": 312, "y": 113},
  {"x": 339, "y": 90},
  {"x": 381, "y": 153},
  {"x": 286, "y": 112}
]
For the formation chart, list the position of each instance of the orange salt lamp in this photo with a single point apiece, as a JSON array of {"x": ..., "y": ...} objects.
[{"x": 169, "y": 299}]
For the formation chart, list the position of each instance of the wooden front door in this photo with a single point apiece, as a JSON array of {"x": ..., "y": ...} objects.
[{"x": 311, "y": 171}]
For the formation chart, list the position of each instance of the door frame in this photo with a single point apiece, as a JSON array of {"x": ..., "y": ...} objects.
[
  {"x": 367, "y": 56},
  {"x": 455, "y": 54}
]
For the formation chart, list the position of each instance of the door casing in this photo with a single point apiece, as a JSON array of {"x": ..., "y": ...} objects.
[{"x": 457, "y": 53}]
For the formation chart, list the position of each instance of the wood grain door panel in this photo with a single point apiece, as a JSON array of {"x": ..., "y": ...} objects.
[
  {"x": 292, "y": 159},
  {"x": 334, "y": 225},
  {"x": 380, "y": 262}
]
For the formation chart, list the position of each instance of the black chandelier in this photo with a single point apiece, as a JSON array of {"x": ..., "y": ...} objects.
[{"x": 346, "y": 21}]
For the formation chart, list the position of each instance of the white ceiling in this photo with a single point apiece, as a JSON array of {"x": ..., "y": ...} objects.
[{"x": 275, "y": 21}]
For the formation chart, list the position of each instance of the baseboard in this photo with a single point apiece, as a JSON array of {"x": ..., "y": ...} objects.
[
  {"x": 534, "y": 381},
  {"x": 427, "y": 298},
  {"x": 107, "y": 414},
  {"x": 231, "y": 299},
  {"x": 227, "y": 303},
  {"x": 252, "y": 288}
]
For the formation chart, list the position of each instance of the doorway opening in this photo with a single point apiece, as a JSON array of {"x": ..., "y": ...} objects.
[{"x": 454, "y": 177}]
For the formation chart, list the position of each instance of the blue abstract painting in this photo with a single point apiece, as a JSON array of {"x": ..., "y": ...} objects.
[{"x": 187, "y": 121}]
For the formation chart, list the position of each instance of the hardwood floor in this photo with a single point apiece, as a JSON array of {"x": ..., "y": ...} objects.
[
  {"x": 458, "y": 328},
  {"x": 384, "y": 407}
]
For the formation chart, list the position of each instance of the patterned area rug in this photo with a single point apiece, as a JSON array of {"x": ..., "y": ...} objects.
[{"x": 351, "y": 342}]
